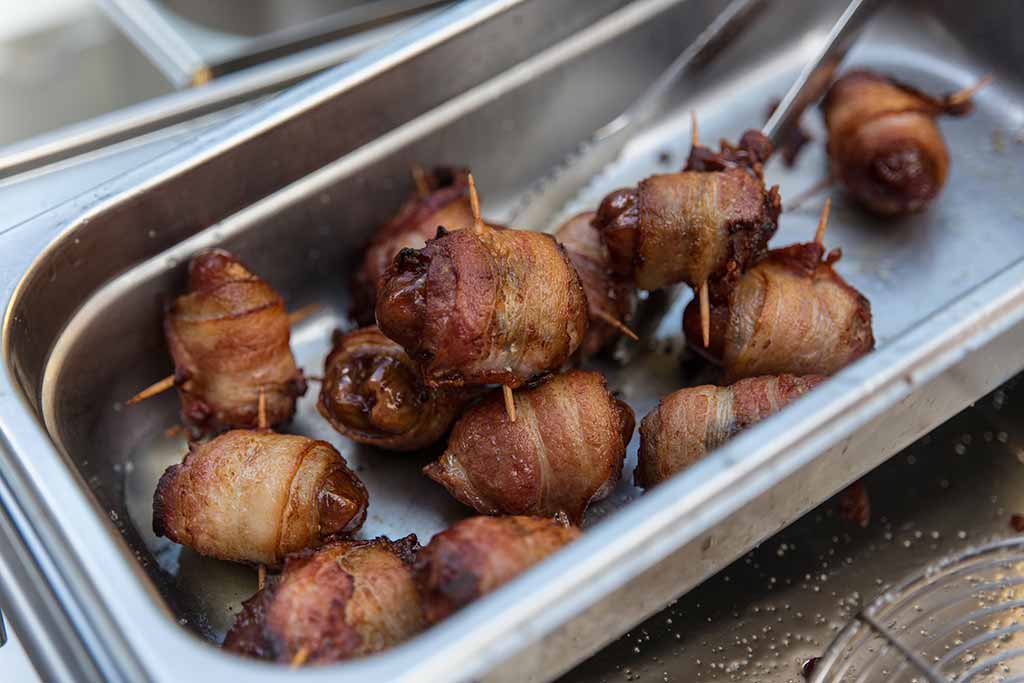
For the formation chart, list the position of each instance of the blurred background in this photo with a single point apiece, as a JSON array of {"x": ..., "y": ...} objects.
[{"x": 85, "y": 74}]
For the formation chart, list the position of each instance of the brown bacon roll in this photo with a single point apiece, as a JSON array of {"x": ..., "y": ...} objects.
[
  {"x": 690, "y": 423},
  {"x": 564, "y": 450},
  {"x": 477, "y": 555},
  {"x": 606, "y": 293},
  {"x": 372, "y": 393},
  {"x": 484, "y": 307},
  {"x": 883, "y": 142},
  {"x": 792, "y": 313},
  {"x": 445, "y": 202},
  {"x": 229, "y": 337},
  {"x": 255, "y": 496},
  {"x": 707, "y": 222},
  {"x": 348, "y": 599}
]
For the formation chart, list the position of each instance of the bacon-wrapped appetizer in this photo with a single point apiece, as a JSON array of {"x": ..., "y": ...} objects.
[
  {"x": 883, "y": 142},
  {"x": 255, "y": 496},
  {"x": 484, "y": 306},
  {"x": 441, "y": 199},
  {"x": 477, "y": 555},
  {"x": 229, "y": 340},
  {"x": 348, "y": 599},
  {"x": 703, "y": 226},
  {"x": 690, "y": 423},
  {"x": 372, "y": 393},
  {"x": 610, "y": 298},
  {"x": 792, "y": 313},
  {"x": 564, "y": 451}
]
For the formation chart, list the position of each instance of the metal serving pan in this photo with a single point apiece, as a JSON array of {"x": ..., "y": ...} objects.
[{"x": 296, "y": 185}]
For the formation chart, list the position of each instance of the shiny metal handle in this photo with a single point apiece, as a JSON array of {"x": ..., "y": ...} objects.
[
  {"x": 3, "y": 630},
  {"x": 816, "y": 76}
]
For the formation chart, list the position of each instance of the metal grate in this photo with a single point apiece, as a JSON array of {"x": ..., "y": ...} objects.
[{"x": 960, "y": 621}]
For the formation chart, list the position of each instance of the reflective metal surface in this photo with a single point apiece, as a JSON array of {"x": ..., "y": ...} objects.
[
  {"x": 775, "y": 611},
  {"x": 296, "y": 185},
  {"x": 192, "y": 42}
]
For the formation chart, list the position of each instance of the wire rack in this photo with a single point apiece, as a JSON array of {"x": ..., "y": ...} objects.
[{"x": 961, "y": 620}]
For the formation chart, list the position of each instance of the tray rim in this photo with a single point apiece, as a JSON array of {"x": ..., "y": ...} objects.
[{"x": 782, "y": 445}]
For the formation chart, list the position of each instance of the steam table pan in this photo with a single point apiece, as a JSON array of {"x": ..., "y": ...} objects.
[{"x": 296, "y": 185}]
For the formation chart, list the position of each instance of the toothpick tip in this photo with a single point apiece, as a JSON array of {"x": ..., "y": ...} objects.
[
  {"x": 705, "y": 314},
  {"x": 819, "y": 234},
  {"x": 510, "y": 402},
  {"x": 152, "y": 390}
]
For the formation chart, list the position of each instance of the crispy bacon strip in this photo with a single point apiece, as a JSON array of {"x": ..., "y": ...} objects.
[
  {"x": 229, "y": 337},
  {"x": 445, "y": 203},
  {"x": 484, "y": 306},
  {"x": 607, "y": 295},
  {"x": 883, "y": 141},
  {"x": 477, "y": 555},
  {"x": 254, "y": 497},
  {"x": 372, "y": 393},
  {"x": 690, "y": 423},
  {"x": 564, "y": 450},
  {"x": 705, "y": 223},
  {"x": 790, "y": 314},
  {"x": 348, "y": 599}
]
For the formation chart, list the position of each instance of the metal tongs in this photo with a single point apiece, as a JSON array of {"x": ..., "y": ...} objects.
[{"x": 545, "y": 204}]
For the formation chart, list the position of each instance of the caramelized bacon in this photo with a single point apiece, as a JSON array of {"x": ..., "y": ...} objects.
[
  {"x": 229, "y": 337},
  {"x": 607, "y": 295},
  {"x": 348, "y": 599},
  {"x": 564, "y": 450},
  {"x": 372, "y": 393},
  {"x": 255, "y": 496},
  {"x": 445, "y": 203},
  {"x": 883, "y": 141},
  {"x": 790, "y": 314},
  {"x": 690, "y": 423},
  {"x": 477, "y": 555},
  {"x": 484, "y": 306},
  {"x": 705, "y": 223}
]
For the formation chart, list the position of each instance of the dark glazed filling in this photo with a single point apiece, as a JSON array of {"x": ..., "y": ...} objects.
[
  {"x": 618, "y": 219},
  {"x": 904, "y": 173},
  {"x": 341, "y": 503},
  {"x": 375, "y": 393},
  {"x": 402, "y": 304}
]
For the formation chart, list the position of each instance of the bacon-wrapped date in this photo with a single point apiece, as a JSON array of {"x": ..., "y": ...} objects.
[
  {"x": 690, "y": 423},
  {"x": 564, "y": 450},
  {"x": 608, "y": 296},
  {"x": 255, "y": 496},
  {"x": 883, "y": 142},
  {"x": 484, "y": 306},
  {"x": 372, "y": 393},
  {"x": 348, "y": 599},
  {"x": 477, "y": 555},
  {"x": 706, "y": 222},
  {"x": 229, "y": 338},
  {"x": 442, "y": 199},
  {"x": 792, "y": 313}
]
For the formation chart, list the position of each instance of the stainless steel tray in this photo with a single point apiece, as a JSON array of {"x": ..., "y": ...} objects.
[{"x": 297, "y": 184}]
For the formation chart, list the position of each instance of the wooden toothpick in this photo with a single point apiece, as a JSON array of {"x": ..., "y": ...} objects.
[
  {"x": 152, "y": 390},
  {"x": 261, "y": 410},
  {"x": 419, "y": 177},
  {"x": 705, "y": 313},
  {"x": 616, "y": 323},
  {"x": 819, "y": 234},
  {"x": 965, "y": 95},
  {"x": 474, "y": 203},
  {"x": 300, "y": 657},
  {"x": 510, "y": 402}
]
